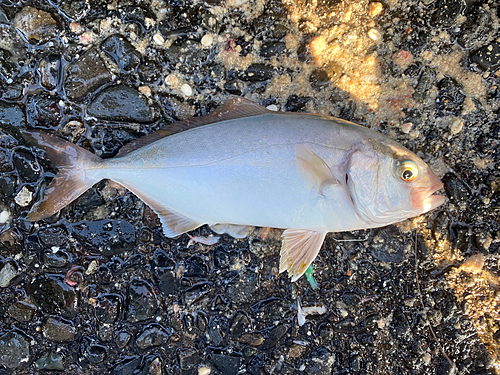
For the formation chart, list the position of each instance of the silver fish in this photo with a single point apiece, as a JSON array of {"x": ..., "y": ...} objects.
[{"x": 244, "y": 165}]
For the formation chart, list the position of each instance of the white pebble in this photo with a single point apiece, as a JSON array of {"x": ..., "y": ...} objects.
[
  {"x": 207, "y": 40},
  {"x": 92, "y": 268},
  {"x": 272, "y": 107},
  {"x": 204, "y": 370},
  {"x": 158, "y": 39},
  {"x": 375, "y": 35},
  {"x": 4, "y": 216},
  {"x": 171, "y": 80},
  {"x": 24, "y": 197},
  {"x": 456, "y": 126},
  {"x": 406, "y": 127},
  {"x": 186, "y": 90}
]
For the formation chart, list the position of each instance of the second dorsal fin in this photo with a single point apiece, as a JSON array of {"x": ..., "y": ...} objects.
[{"x": 231, "y": 110}]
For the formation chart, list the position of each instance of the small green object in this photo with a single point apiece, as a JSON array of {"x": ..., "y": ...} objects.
[{"x": 310, "y": 277}]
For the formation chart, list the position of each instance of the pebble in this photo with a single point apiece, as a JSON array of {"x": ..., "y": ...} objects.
[
  {"x": 24, "y": 197},
  {"x": 51, "y": 361},
  {"x": 4, "y": 216},
  {"x": 142, "y": 301},
  {"x": 158, "y": 39},
  {"x": 85, "y": 75},
  {"x": 14, "y": 350},
  {"x": 11, "y": 115},
  {"x": 186, "y": 90},
  {"x": 50, "y": 71},
  {"x": 487, "y": 57},
  {"x": 122, "y": 52},
  {"x": 122, "y": 103},
  {"x": 375, "y": 9},
  {"x": 53, "y": 295},
  {"x": 21, "y": 311},
  {"x": 9, "y": 271},
  {"x": 456, "y": 126},
  {"x": 36, "y": 26},
  {"x": 58, "y": 330},
  {"x": 154, "y": 335},
  {"x": 375, "y": 35},
  {"x": 207, "y": 40}
]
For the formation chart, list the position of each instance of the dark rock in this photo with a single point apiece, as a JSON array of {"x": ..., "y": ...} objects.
[
  {"x": 163, "y": 268},
  {"x": 456, "y": 190},
  {"x": 6, "y": 164},
  {"x": 187, "y": 57},
  {"x": 8, "y": 184},
  {"x": 234, "y": 86},
  {"x": 55, "y": 258},
  {"x": 214, "y": 330},
  {"x": 154, "y": 335},
  {"x": 122, "y": 103},
  {"x": 85, "y": 75},
  {"x": 195, "y": 267},
  {"x": 296, "y": 103},
  {"x": 142, "y": 301},
  {"x": 441, "y": 227},
  {"x": 53, "y": 295},
  {"x": 258, "y": 72},
  {"x": 447, "y": 12},
  {"x": 476, "y": 30},
  {"x": 388, "y": 245},
  {"x": 51, "y": 361},
  {"x": 11, "y": 115},
  {"x": 26, "y": 165},
  {"x": 188, "y": 358},
  {"x": 351, "y": 299},
  {"x": 14, "y": 350},
  {"x": 3, "y": 17},
  {"x": 43, "y": 111},
  {"x": 149, "y": 71},
  {"x": 36, "y": 26},
  {"x": 450, "y": 98},
  {"x": 421, "y": 93},
  {"x": 226, "y": 363},
  {"x": 269, "y": 49},
  {"x": 122, "y": 339},
  {"x": 122, "y": 52},
  {"x": 274, "y": 335},
  {"x": 50, "y": 71},
  {"x": 74, "y": 10},
  {"x": 59, "y": 330},
  {"x": 240, "y": 324},
  {"x": 21, "y": 311},
  {"x": 109, "y": 308},
  {"x": 319, "y": 79},
  {"x": 53, "y": 236},
  {"x": 107, "y": 237},
  {"x": 138, "y": 14},
  {"x": 345, "y": 326},
  {"x": 321, "y": 362},
  {"x": 106, "y": 332},
  {"x": 8, "y": 70},
  {"x": 487, "y": 57},
  {"x": 128, "y": 366},
  {"x": 92, "y": 351},
  {"x": 253, "y": 338}
]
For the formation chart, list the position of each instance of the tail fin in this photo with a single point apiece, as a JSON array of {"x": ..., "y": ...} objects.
[{"x": 71, "y": 181}]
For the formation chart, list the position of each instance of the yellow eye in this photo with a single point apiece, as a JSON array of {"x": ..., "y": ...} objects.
[{"x": 408, "y": 171}]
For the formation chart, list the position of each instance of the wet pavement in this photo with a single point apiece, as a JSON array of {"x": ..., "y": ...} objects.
[{"x": 99, "y": 289}]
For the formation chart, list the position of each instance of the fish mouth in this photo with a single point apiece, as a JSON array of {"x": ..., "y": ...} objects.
[{"x": 423, "y": 198}]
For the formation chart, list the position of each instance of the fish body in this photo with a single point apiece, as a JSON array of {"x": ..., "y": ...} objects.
[{"x": 248, "y": 166}]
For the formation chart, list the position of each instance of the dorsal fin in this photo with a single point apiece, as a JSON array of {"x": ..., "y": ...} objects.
[{"x": 231, "y": 110}]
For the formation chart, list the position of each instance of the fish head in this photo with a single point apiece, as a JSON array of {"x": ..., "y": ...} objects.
[{"x": 388, "y": 183}]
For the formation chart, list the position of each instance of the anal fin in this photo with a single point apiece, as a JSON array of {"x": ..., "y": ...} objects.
[
  {"x": 174, "y": 223},
  {"x": 236, "y": 231},
  {"x": 298, "y": 250}
]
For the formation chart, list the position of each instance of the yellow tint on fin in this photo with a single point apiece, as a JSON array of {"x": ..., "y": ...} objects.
[
  {"x": 313, "y": 169},
  {"x": 298, "y": 250}
]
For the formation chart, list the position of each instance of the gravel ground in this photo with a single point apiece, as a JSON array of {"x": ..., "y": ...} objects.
[{"x": 99, "y": 289}]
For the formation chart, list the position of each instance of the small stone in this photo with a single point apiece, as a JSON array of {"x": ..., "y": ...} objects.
[
  {"x": 50, "y": 71},
  {"x": 53, "y": 294},
  {"x": 258, "y": 72},
  {"x": 24, "y": 197},
  {"x": 456, "y": 126},
  {"x": 186, "y": 90},
  {"x": 487, "y": 57},
  {"x": 204, "y": 370},
  {"x": 122, "y": 52},
  {"x": 142, "y": 301},
  {"x": 14, "y": 350},
  {"x": 122, "y": 103},
  {"x": 153, "y": 335},
  {"x": 375, "y": 35},
  {"x": 158, "y": 39},
  {"x": 58, "y": 330},
  {"x": 4, "y": 216},
  {"x": 253, "y": 339},
  {"x": 8, "y": 272},
  {"x": 207, "y": 40},
  {"x": 406, "y": 127},
  {"x": 375, "y": 9},
  {"x": 11, "y": 115},
  {"x": 85, "y": 75},
  {"x": 122, "y": 339},
  {"x": 188, "y": 358},
  {"x": 36, "y": 26},
  {"x": 269, "y": 49},
  {"x": 421, "y": 93},
  {"x": 52, "y": 361}
]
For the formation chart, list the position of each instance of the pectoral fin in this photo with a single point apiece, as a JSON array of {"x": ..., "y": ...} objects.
[
  {"x": 313, "y": 169},
  {"x": 298, "y": 249},
  {"x": 236, "y": 231}
]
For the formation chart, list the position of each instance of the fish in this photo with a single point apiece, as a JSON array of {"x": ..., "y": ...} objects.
[{"x": 243, "y": 166}]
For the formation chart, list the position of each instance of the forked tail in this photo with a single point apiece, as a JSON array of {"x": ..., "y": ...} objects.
[{"x": 72, "y": 162}]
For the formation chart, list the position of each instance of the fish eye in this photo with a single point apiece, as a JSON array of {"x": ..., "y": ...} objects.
[{"x": 408, "y": 171}]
